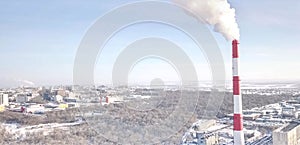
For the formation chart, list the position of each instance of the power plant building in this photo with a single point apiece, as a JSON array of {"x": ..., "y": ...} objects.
[
  {"x": 202, "y": 133},
  {"x": 287, "y": 135}
]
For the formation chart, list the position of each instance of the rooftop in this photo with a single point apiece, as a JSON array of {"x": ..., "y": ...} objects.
[{"x": 289, "y": 127}]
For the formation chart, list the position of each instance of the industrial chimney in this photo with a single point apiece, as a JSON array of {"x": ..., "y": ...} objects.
[{"x": 238, "y": 133}]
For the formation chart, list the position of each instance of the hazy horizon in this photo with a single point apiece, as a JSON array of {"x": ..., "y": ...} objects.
[{"x": 39, "y": 41}]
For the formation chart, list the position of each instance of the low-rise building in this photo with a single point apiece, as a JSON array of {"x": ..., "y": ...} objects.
[
  {"x": 113, "y": 99},
  {"x": 35, "y": 109},
  {"x": 73, "y": 105},
  {"x": 61, "y": 92},
  {"x": 58, "y": 98},
  {"x": 22, "y": 98},
  {"x": 207, "y": 139},
  {"x": 288, "y": 111}
]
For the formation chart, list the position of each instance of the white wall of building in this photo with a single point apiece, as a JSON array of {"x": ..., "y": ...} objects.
[
  {"x": 4, "y": 99},
  {"x": 58, "y": 98}
]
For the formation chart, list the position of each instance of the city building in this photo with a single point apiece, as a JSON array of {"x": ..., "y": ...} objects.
[
  {"x": 58, "y": 98},
  {"x": 4, "y": 99},
  {"x": 35, "y": 109},
  {"x": 22, "y": 98},
  {"x": 113, "y": 99},
  {"x": 73, "y": 105},
  {"x": 61, "y": 92},
  {"x": 72, "y": 95},
  {"x": 68, "y": 99},
  {"x": 289, "y": 111}
]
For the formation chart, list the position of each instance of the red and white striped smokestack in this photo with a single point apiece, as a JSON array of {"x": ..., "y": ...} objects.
[{"x": 237, "y": 97}]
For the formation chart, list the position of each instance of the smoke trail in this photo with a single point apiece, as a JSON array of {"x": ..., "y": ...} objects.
[
  {"x": 27, "y": 82},
  {"x": 217, "y": 13}
]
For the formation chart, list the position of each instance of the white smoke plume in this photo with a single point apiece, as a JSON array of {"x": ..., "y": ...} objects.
[
  {"x": 217, "y": 13},
  {"x": 27, "y": 82}
]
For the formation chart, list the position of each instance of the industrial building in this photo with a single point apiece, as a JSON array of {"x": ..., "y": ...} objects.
[
  {"x": 247, "y": 115},
  {"x": 287, "y": 135},
  {"x": 207, "y": 139},
  {"x": 202, "y": 132}
]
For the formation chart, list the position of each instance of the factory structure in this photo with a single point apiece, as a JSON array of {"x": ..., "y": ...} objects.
[
  {"x": 287, "y": 135},
  {"x": 272, "y": 124},
  {"x": 280, "y": 119},
  {"x": 202, "y": 132},
  {"x": 208, "y": 136}
]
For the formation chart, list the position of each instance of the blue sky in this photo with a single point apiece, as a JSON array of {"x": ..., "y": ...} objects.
[{"x": 39, "y": 39}]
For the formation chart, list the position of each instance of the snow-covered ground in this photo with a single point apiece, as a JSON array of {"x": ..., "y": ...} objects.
[{"x": 21, "y": 131}]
